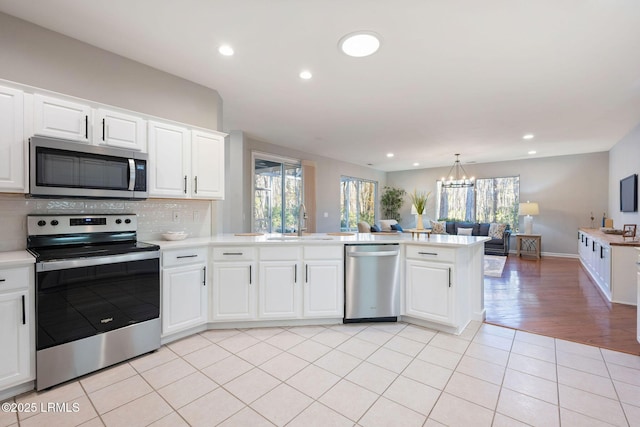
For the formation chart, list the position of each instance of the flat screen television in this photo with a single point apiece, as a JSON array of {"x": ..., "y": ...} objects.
[{"x": 629, "y": 194}]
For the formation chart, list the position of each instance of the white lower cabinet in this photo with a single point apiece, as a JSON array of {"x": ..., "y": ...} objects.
[
  {"x": 429, "y": 284},
  {"x": 234, "y": 288},
  {"x": 280, "y": 290},
  {"x": 323, "y": 281},
  {"x": 16, "y": 327},
  {"x": 184, "y": 289}
]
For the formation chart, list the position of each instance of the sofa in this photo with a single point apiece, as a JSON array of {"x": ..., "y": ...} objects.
[
  {"x": 493, "y": 246},
  {"x": 387, "y": 226}
]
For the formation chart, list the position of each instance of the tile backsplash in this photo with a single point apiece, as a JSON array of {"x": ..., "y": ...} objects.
[{"x": 155, "y": 216}]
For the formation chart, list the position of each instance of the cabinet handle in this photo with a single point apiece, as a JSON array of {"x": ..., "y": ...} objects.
[
  {"x": 195, "y": 190},
  {"x": 204, "y": 279},
  {"x": 232, "y": 253},
  {"x": 103, "y": 132},
  {"x": 593, "y": 246},
  {"x": 24, "y": 314},
  {"x": 295, "y": 273},
  {"x": 306, "y": 273},
  {"x": 3, "y": 280},
  {"x": 449, "y": 276},
  {"x": 250, "y": 273},
  {"x": 428, "y": 253},
  {"x": 601, "y": 256},
  {"x": 186, "y": 256},
  {"x": 185, "y": 184},
  {"x": 86, "y": 127}
]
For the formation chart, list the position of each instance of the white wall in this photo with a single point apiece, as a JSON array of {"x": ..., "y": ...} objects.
[
  {"x": 34, "y": 56},
  {"x": 624, "y": 160},
  {"x": 567, "y": 189}
]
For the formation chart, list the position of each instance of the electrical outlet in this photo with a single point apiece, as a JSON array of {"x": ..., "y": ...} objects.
[
  {"x": 326, "y": 215},
  {"x": 196, "y": 216},
  {"x": 176, "y": 216}
]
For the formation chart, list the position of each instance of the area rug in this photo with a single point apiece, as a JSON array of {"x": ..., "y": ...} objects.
[{"x": 493, "y": 265}]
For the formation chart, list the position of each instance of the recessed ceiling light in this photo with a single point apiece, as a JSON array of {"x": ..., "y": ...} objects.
[
  {"x": 532, "y": 152},
  {"x": 360, "y": 44},
  {"x": 416, "y": 164},
  {"x": 305, "y": 75},
  {"x": 226, "y": 50},
  {"x": 389, "y": 155},
  {"x": 528, "y": 136}
]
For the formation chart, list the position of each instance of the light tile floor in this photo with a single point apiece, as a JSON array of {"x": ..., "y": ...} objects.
[{"x": 385, "y": 374}]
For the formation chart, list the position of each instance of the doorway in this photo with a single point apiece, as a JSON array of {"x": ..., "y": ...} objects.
[{"x": 277, "y": 193}]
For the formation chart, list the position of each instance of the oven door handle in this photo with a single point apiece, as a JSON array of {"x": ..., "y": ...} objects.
[
  {"x": 132, "y": 174},
  {"x": 88, "y": 262}
]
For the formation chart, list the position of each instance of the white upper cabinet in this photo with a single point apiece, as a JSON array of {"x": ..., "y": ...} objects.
[
  {"x": 120, "y": 130},
  {"x": 207, "y": 166},
  {"x": 184, "y": 163},
  {"x": 169, "y": 160},
  {"x": 61, "y": 118},
  {"x": 12, "y": 146}
]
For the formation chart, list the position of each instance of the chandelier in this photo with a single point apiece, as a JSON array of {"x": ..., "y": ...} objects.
[{"x": 457, "y": 176}]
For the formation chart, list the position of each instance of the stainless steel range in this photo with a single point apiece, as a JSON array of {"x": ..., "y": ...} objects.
[{"x": 97, "y": 293}]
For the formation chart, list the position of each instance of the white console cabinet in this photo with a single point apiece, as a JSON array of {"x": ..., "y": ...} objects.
[{"x": 609, "y": 261}]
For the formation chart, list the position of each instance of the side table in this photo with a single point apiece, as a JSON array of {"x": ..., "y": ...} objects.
[
  {"x": 528, "y": 244},
  {"x": 417, "y": 232}
]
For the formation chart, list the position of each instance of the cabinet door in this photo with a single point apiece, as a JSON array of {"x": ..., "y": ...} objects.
[
  {"x": 61, "y": 119},
  {"x": 429, "y": 291},
  {"x": 12, "y": 146},
  {"x": 279, "y": 294},
  {"x": 323, "y": 289},
  {"x": 169, "y": 159},
  {"x": 207, "y": 165},
  {"x": 184, "y": 298},
  {"x": 14, "y": 336},
  {"x": 120, "y": 130},
  {"x": 234, "y": 291}
]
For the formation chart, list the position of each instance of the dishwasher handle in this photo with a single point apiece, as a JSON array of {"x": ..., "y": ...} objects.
[{"x": 373, "y": 254}]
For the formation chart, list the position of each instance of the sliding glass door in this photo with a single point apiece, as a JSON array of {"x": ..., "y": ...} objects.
[
  {"x": 357, "y": 202},
  {"x": 277, "y": 189}
]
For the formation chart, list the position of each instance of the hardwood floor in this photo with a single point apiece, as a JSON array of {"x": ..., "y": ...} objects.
[{"x": 555, "y": 297}]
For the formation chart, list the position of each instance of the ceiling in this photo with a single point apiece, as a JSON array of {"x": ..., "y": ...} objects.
[{"x": 456, "y": 76}]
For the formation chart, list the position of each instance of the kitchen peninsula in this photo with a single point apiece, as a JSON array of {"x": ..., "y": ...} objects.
[{"x": 229, "y": 280}]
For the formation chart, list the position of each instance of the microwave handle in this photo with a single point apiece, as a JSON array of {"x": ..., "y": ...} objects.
[{"x": 132, "y": 174}]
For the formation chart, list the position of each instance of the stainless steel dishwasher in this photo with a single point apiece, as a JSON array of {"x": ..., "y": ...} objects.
[{"x": 372, "y": 283}]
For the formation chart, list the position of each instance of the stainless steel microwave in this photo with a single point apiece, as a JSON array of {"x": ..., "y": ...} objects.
[{"x": 61, "y": 168}]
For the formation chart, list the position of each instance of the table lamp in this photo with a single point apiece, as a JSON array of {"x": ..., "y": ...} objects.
[{"x": 528, "y": 210}]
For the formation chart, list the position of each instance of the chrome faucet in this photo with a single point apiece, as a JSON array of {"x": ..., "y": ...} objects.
[{"x": 302, "y": 218}]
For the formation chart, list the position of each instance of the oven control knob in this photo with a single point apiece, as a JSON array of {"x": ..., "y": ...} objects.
[
  {"x": 42, "y": 223},
  {"x": 54, "y": 222},
  {"x": 127, "y": 221},
  {"x": 118, "y": 221}
]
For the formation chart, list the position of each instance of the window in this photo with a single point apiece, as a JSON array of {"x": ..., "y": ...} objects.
[
  {"x": 277, "y": 193},
  {"x": 357, "y": 202},
  {"x": 490, "y": 200}
]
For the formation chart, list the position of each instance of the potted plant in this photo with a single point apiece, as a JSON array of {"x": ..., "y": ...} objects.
[
  {"x": 391, "y": 202},
  {"x": 419, "y": 201}
]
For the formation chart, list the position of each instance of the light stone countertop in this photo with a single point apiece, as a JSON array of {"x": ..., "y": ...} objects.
[
  {"x": 321, "y": 239},
  {"x": 16, "y": 258}
]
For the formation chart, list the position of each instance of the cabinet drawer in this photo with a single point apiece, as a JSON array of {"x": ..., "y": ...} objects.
[
  {"x": 14, "y": 278},
  {"x": 280, "y": 253},
  {"x": 234, "y": 253},
  {"x": 431, "y": 253},
  {"x": 172, "y": 258},
  {"x": 323, "y": 252}
]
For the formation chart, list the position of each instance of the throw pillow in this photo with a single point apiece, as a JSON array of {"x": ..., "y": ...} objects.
[
  {"x": 385, "y": 224},
  {"x": 396, "y": 227},
  {"x": 375, "y": 228},
  {"x": 465, "y": 231},
  {"x": 437, "y": 227},
  {"x": 496, "y": 231}
]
